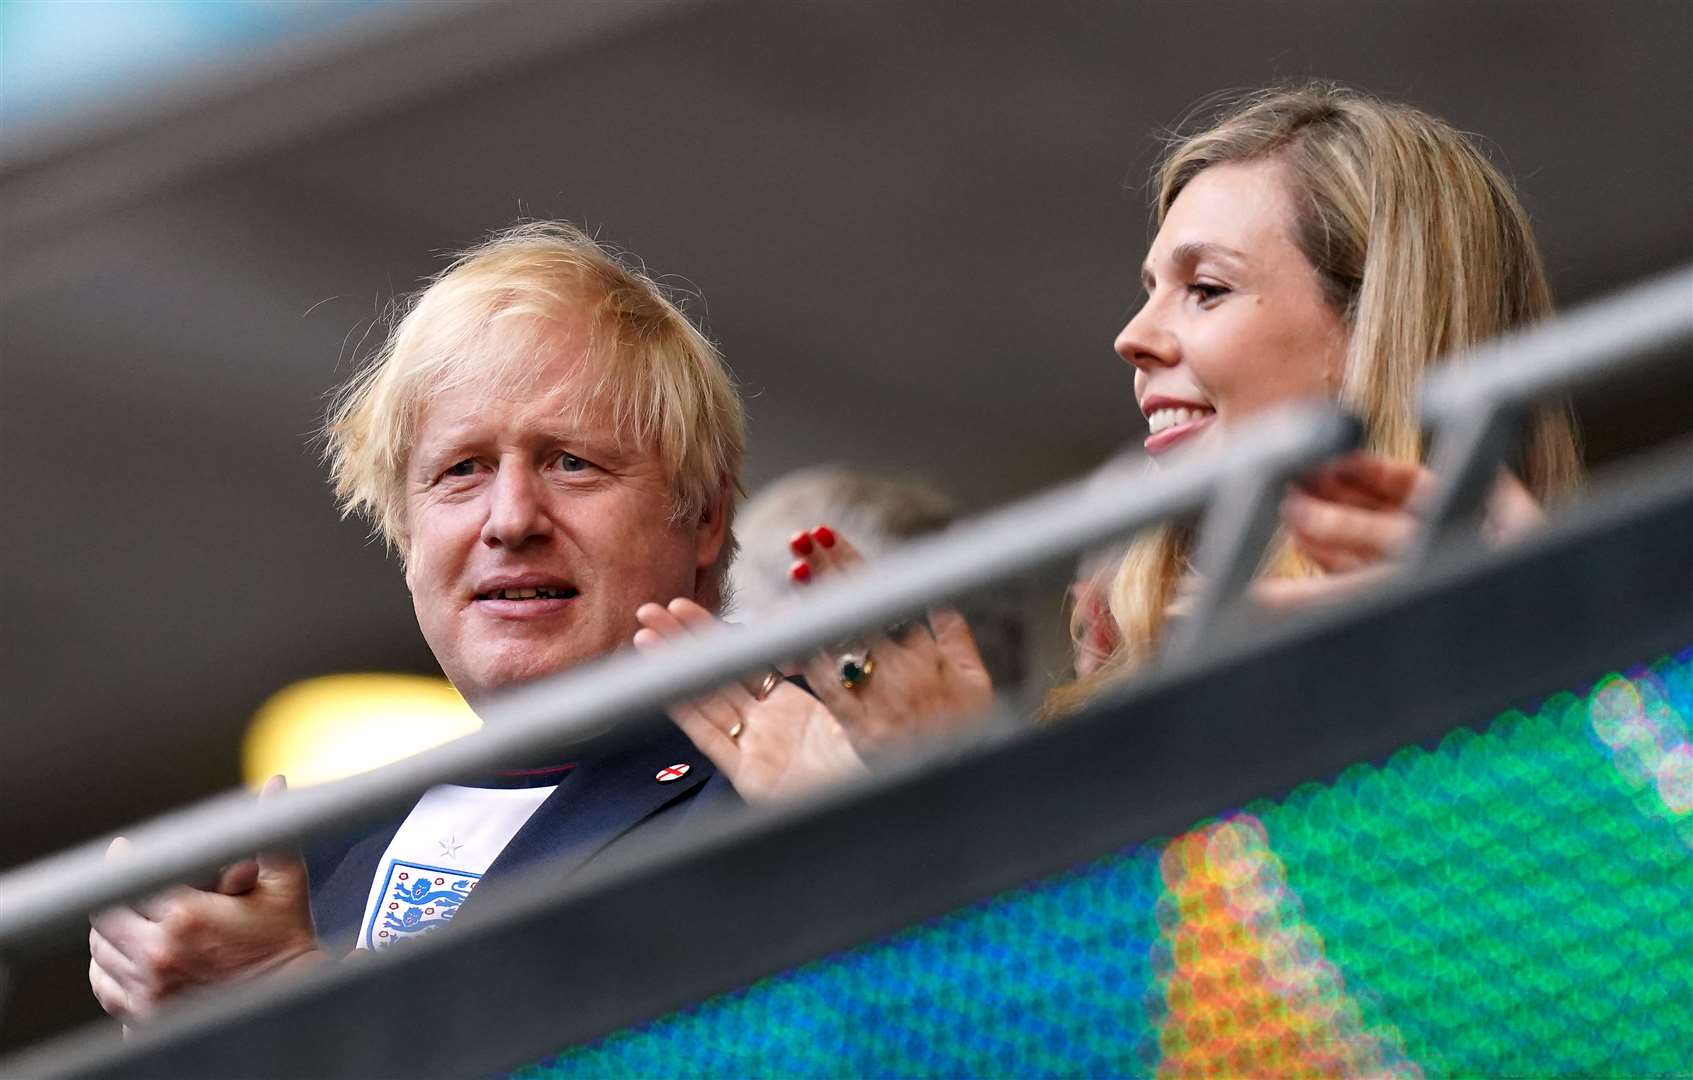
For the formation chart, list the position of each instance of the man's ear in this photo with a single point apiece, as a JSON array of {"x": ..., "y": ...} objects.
[{"x": 711, "y": 532}]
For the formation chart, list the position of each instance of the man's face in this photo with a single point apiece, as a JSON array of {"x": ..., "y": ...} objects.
[{"x": 535, "y": 534}]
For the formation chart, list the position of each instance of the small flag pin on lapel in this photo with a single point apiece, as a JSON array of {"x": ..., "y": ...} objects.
[{"x": 672, "y": 773}]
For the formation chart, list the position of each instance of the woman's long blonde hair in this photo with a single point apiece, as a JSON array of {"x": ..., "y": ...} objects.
[{"x": 1419, "y": 243}]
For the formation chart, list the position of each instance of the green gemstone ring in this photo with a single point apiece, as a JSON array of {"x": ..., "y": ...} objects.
[{"x": 855, "y": 668}]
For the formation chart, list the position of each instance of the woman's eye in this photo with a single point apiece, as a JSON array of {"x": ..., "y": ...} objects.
[
  {"x": 571, "y": 463},
  {"x": 1207, "y": 292}
]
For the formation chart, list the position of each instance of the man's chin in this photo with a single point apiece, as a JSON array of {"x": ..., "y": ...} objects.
[{"x": 495, "y": 674}]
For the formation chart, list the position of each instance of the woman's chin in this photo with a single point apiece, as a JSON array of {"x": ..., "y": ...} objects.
[{"x": 1194, "y": 439}]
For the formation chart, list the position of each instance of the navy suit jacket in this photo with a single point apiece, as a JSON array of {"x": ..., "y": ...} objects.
[{"x": 605, "y": 799}]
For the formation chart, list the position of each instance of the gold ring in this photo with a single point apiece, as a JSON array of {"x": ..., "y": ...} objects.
[
  {"x": 735, "y": 732},
  {"x": 772, "y": 679}
]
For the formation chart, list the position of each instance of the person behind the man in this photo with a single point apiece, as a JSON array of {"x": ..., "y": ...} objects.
[{"x": 547, "y": 443}]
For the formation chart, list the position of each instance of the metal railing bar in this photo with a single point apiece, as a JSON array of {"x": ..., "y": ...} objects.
[
  {"x": 1477, "y": 403},
  {"x": 590, "y": 701},
  {"x": 1478, "y": 631},
  {"x": 1470, "y": 448},
  {"x": 1240, "y": 518},
  {"x": 1604, "y": 339}
]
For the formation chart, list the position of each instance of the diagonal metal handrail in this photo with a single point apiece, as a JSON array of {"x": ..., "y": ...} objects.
[
  {"x": 590, "y": 701},
  {"x": 560, "y": 963},
  {"x": 1602, "y": 340},
  {"x": 1606, "y": 338},
  {"x": 1478, "y": 402}
]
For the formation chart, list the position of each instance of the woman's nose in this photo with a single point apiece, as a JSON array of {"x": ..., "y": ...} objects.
[{"x": 1145, "y": 342}]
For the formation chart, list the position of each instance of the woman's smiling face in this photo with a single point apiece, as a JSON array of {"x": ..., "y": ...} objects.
[{"x": 1235, "y": 320}]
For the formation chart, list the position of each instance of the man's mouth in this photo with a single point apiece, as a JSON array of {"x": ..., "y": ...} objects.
[{"x": 538, "y": 592}]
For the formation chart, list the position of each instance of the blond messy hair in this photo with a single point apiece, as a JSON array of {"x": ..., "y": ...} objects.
[
  {"x": 1422, "y": 247},
  {"x": 661, "y": 381}
]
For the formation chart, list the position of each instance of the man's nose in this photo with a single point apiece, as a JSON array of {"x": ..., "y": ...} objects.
[
  {"x": 517, "y": 509},
  {"x": 1146, "y": 342}
]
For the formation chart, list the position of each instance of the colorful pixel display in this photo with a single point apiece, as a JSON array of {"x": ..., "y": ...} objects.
[{"x": 1516, "y": 902}]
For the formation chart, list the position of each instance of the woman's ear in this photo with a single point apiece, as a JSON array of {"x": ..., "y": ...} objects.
[{"x": 1340, "y": 349}]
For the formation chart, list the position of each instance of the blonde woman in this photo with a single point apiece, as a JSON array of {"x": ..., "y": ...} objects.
[
  {"x": 1312, "y": 242},
  {"x": 1317, "y": 241}
]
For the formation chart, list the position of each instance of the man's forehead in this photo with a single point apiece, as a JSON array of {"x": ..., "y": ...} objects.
[
  {"x": 570, "y": 403},
  {"x": 561, "y": 393}
]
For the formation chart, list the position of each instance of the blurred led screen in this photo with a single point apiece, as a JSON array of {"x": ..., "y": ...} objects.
[
  {"x": 61, "y": 56},
  {"x": 1514, "y": 902}
]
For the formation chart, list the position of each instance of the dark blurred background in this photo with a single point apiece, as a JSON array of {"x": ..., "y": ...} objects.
[{"x": 916, "y": 225}]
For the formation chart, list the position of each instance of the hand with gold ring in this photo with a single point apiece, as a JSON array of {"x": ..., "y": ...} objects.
[
  {"x": 917, "y": 678},
  {"x": 769, "y": 737}
]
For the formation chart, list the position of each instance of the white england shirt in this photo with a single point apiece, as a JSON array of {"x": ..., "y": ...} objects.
[{"x": 442, "y": 850}]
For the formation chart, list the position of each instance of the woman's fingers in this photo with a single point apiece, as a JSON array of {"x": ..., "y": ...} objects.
[
  {"x": 820, "y": 551},
  {"x": 721, "y": 709},
  {"x": 1365, "y": 507},
  {"x": 1325, "y": 528},
  {"x": 1328, "y": 485},
  {"x": 1358, "y": 513},
  {"x": 658, "y": 619},
  {"x": 711, "y": 740},
  {"x": 1333, "y": 560},
  {"x": 953, "y": 635},
  {"x": 1372, "y": 482},
  {"x": 691, "y": 615},
  {"x": 834, "y": 552},
  {"x": 1295, "y": 594},
  {"x": 694, "y": 717},
  {"x": 685, "y": 617}
]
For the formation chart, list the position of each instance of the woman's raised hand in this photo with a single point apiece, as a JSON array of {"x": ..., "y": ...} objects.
[
  {"x": 771, "y": 743},
  {"x": 918, "y": 678},
  {"x": 1355, "y": 516}
]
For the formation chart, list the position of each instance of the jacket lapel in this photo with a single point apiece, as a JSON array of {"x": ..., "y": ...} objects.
[
  {"x": 340, "y": 887},
  {"x": 602, "y": 799}
]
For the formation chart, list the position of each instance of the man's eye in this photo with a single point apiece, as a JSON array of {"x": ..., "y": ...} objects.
[
  {"x": 571, "y": 463},
  {"x": 462, "y": 468}
]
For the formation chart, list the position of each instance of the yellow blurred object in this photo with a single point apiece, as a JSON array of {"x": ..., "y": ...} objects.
[{"x": 334, "y": 726}]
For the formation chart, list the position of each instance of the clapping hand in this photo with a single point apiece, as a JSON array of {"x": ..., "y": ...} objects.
[
  {"x": 255, "y": 918},
  {"x": 772, "y": 740},
  {"x": 920, "y": 678}
]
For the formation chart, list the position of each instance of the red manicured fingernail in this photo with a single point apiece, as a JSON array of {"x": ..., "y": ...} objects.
[
  {"x": 800, "y": 572},
  {"x": 800, "y": 543},
  {"x": 824, "y": 535}
]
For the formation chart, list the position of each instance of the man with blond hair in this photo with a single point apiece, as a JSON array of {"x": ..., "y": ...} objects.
[{"x": 547, "y": 443}]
